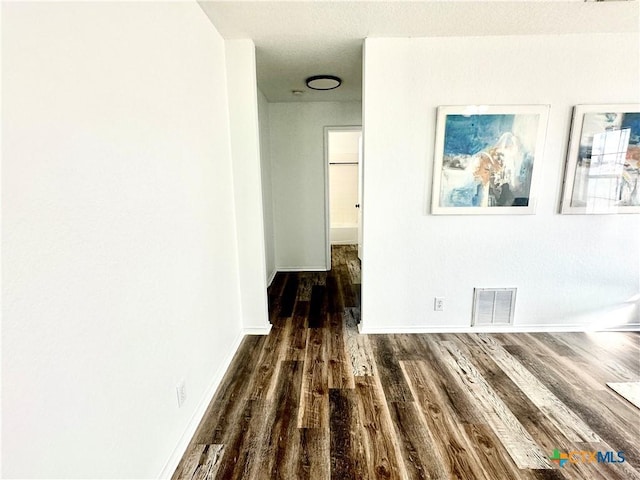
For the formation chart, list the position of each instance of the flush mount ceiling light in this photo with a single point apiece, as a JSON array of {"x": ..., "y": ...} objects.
[{"x": 323, "y": 82}]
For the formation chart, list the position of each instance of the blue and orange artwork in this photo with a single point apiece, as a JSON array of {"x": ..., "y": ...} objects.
[{"x": 488, "y": 160}]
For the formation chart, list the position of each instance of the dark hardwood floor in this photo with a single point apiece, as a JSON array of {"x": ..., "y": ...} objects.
[{"x": 316, "y": 400}]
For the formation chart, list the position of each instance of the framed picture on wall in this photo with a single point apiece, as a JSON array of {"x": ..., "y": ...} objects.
[
  {"x": 487, "y": 159},
  {"x": 603, "y": 160}
]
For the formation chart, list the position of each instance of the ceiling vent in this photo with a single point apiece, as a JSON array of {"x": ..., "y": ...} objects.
[{"x": 493, "y": 306}]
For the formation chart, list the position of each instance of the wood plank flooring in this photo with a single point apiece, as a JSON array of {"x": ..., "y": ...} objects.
[{"x": 316, "y": 400}]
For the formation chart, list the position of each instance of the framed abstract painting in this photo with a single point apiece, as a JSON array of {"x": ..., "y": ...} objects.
[
  {"x": 603, "y": 160},
  {"x": 487, "y": 159}
]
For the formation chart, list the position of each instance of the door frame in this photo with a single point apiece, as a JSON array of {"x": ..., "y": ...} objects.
[{"x": 327, "y": 198}]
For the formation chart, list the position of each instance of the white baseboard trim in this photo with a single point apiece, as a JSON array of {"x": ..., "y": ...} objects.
[
  {"x": 176, "y": 456},
  {"x": 257, "y": 330},
  {"x": 271, "y": 277},
  {"x": 632, "y": 327},
  {"x": 497, "y": 329},
  {"x": 190, "y": 430},
  {"x": 302, "y": 269}
]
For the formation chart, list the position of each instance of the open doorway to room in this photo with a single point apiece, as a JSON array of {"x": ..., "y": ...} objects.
[
  {"x": 325, "y": 298},
  {"x": 343, "y": 187}
]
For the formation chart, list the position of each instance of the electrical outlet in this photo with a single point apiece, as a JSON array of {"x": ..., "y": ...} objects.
[
  {"x": 181, "y": 390},
  {"x": 438, "y": 304}
]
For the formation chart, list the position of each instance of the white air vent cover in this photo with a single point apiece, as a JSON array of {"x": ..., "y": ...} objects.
[{"x": 493, "y": 306}]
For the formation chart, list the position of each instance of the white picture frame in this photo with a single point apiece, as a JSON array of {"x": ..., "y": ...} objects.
[
  {"x": 488, "y": 159},
  {"x": 602, "y": 173}
]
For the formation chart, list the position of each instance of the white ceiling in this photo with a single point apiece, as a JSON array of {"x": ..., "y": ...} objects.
[{"x": 298, "y": 39}]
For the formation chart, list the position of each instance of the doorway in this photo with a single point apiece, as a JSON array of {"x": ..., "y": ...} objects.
[{"x": 343, "y": 182}]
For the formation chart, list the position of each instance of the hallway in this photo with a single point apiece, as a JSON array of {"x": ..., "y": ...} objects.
[{"x": 316, "y": 400}]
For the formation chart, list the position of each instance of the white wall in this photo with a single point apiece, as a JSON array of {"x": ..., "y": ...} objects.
[
  {"x": 247, "y": 182},
  {"x": 297, "y": 160},
  {"x": 565, "y": 267},
  {"x": 267, "y": 195},
  {"x": 119, "y": 244}
]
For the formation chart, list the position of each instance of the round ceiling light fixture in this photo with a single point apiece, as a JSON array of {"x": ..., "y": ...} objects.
[{"x": 323, "y": 82}]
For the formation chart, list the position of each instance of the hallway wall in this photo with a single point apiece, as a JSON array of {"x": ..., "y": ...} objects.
[
  {"x": 267, "y": 187},
  {"x": 297, "y": 167},
  {"x": 247, "y": 183},
  {"x": 120, "y": 256}
]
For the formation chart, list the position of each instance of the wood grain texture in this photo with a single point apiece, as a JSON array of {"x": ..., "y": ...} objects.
[
  {"x": 521, "y": 447},
  {"x": 493, "y": 454},
  {"x": 238, "y": 459},
  {"x": 305, "y": 284},
  {"x": 349, "y": 296},
  {"x": 340, "y": 368},
  {"x": 297, "y": 342},
  {"x": 607, "y": 345},
  {"x": 353, "y": 267},
  {"x": 382, "y": 452},
  {"x": 274, "y": 295},
  {"x": 388, "y": 368},
  {"x": 546, "y": 433},
  {"x": 606, "y": 417},
  {"x": 335, "y": 303},
  {"x": 421, "y": 460},
  {"x": 568, "y": 422},
  {"x": 317, "y": 307},
  {"x": 273, "y": 351},
  {"x": 201, "y": 462},
  {"x": 280, "y": 448},
  {"x": 289, "y": 295},
  {"x": 316, "y": 400},
  {"x": 357, "y": 346},
  {"x": 343, "y": 445},
  {"x": 456, "y": 451},
  {"x": 235, "y": 389},
  {"x": 314, "y": 460},
  {"x": 454, "y": 393},
  {"x": 351, "y": 317}
]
